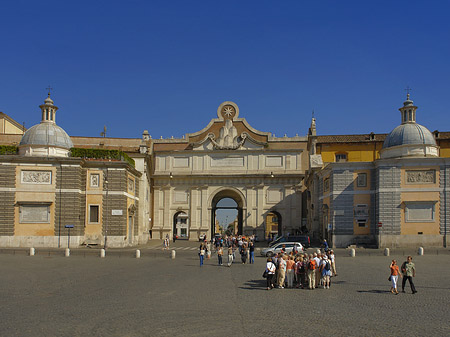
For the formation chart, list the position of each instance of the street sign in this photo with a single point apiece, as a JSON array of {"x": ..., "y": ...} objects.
[{"x": 68, "y": 226}]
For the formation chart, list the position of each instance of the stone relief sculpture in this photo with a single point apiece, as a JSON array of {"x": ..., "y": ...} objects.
[
  {"x": 420, "y": 177},
  {"x": 228, "y": 137},
  {"x": 37, "y": 177}
]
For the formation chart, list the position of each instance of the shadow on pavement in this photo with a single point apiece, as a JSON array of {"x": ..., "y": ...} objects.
[
  {"x": 255, "y": 285},
  {"x": 374, "y": 291}
]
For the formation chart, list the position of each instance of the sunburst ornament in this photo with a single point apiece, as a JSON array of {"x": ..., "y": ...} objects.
[{"x": 228, "y": 111}]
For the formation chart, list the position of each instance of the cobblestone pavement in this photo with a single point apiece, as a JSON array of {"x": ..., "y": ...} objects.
[{"x": 50, "y": 295}]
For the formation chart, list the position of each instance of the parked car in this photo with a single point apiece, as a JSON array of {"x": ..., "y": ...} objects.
[
  {"x": 303, "y": 239},
  {"x": 275, "y": 249}
]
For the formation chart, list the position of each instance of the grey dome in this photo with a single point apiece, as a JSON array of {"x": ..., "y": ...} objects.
[
  {"x": 409, "y": 134},
  {"x": 47, "y": 134}
]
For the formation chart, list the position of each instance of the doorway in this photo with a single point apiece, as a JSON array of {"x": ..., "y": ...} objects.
[
  {"x": 181, "y": 225},
  {"x": 273, "y": 225}
]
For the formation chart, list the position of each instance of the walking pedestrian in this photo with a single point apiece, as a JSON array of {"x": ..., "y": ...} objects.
[
  {"x": 220, "y": 254},
  {"x": 201, "y": 253},
  {"x": 230, "y": 256},
  {"x": 394, "y": 276},
  {"x": 409, "y": 271},
  {"x": 252, "y": 252}
]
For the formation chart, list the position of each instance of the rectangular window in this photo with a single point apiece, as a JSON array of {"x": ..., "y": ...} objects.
[
  {"x": 94, "y": 213},
  {"x": 419, "y": 211},
  {"x": 341, "y": 157},
  {"x": 34, "y": 214},
  {"x": 361, "y": 180}
]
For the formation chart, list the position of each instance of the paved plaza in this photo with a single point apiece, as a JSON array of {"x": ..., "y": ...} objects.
[{"x": 84, "y": 295}]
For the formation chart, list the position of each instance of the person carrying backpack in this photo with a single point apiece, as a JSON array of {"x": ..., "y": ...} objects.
[
  {"x": 325, "y": 267},
  {"x": 311, "y": 267}
]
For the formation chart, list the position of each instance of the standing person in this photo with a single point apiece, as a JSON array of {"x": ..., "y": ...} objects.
[
  {"x": 311, "y": 273},
  {"x": 201, "y": 253},
  {"x": 244, "y": 253},
  {"x": 230, "y": 256},
  {"x": 290, "y": 271},
  {"x": 252, "y": 252},
  {"x": 270, "y": 269},
  {"x": 333, "y": 262},
  {"x": 281, "y": 271},
  {"x": 394, "y": 276},
  {"x": 409, "y": 271},
  {"x": 318, "y": 275},
  {"x": 325, "y": 267},
  {"x": 220, "y": 254},
  {"x": 325, "y": 245}
]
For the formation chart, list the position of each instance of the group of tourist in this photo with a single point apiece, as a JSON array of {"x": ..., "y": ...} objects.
[
  {"x": 243, "y": 245},
  {"x": 300, "y": 270},
  {"x": 408, "y": 271}
]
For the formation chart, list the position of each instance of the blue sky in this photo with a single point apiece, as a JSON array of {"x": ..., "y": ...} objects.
[{"x": 167, "y": 65}]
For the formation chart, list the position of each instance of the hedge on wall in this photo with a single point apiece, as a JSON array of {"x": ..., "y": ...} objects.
[
  {"x": 6, "y": 149},
  {"x": 101, "y": 154}
]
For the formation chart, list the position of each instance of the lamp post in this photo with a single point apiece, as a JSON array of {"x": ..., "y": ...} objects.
[{"x": 106, "y": 208}]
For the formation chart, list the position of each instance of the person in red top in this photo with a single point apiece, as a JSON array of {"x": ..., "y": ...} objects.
[{"x": 394, "y": 276}]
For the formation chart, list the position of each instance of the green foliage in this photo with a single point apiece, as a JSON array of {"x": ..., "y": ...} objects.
[
  {"x": 101, "y": 154},
  {"x": 6, "y": 149}
]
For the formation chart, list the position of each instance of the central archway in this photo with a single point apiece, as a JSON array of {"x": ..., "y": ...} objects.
[{"x": 240, "y": 206}]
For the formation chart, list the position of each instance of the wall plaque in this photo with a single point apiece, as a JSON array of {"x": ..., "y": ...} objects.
[
  {"x": 274, "y": 161},
  {"x": 227, "y": 162},
  {"x": 421, "y": 177},
  {"x": 180, "y": 162},
  {"x": 36, "y": 177},
  {"x": 34, "y": 214}
]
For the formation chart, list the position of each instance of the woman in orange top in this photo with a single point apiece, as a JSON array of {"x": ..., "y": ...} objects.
[{"x": 394, "y": 276}]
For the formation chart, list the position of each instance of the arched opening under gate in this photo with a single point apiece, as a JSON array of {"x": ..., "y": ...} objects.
[{"x": 227, "y": 213}]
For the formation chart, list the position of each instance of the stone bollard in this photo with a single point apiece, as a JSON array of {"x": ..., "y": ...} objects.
[
  {"x": 420, "y": 252},
  {"x": 173, "y": 254},
  {"x": 102, "y": 253},
  {"x": 138, "y": 254},
  {"x": 67, "y": 252},
  {"x": 352, "y": 252},
  {"x": 32, "y": 251},
  {"x": 386, "y": 251}
]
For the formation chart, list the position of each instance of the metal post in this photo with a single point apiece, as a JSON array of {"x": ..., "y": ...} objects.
[{"x": 106, "y": 208}]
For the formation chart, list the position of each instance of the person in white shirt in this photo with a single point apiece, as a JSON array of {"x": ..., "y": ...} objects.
[
  {"x": 333, "y": 263},
  {"x": 270, "y": 270}
]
